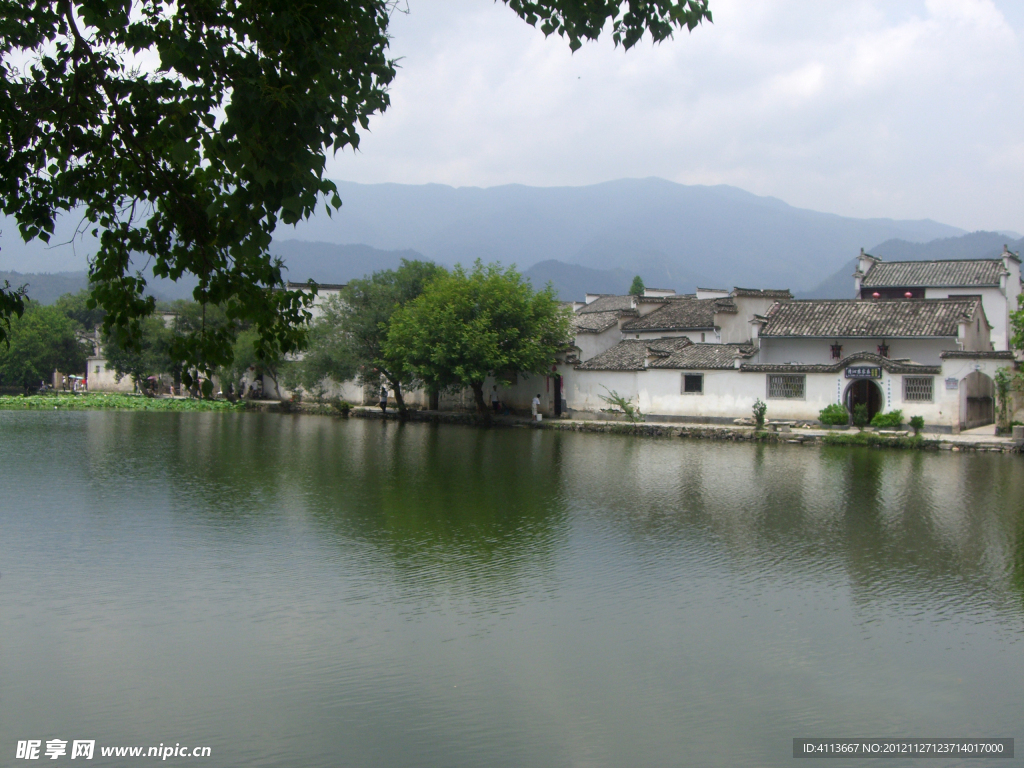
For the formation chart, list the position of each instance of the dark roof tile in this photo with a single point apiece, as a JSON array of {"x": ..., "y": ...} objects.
[
  {"x": 964, "y": 273},
  {"x": 763, "y": 293},
  {"x": 845, "y": 318},
  {"x": 607, "y": 303},
  {"x": 631, "y": 354},
  {"x": 704, "y": 356},
  {"x": 595, "y": 322},
  {"x": 638, "y": 354},
  {"x": 681, "y": 315}
]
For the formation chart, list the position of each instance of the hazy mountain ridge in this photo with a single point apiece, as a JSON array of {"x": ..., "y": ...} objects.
[
  {"x": 596, "y": 238},
  {"x": 46, "y": 287},
  {"x": 974, "y": 245},
  {"x": 693, "y": 233}
]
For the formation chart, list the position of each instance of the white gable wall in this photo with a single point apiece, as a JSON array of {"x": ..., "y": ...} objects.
[
  {"x": 593, "y": 344},
  {"x": 996, "y": 311}
]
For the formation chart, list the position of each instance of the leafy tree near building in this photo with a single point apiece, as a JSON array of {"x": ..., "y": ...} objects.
[
  {"x": 637, "y": 288},
  {"x": 194, "y": 161},
  {"x": 469, "y": 325},
  {"x": 347, "y": 340},
  {"x": 41, "y": 341},
  {"x": 76, "y": 307},
  {"x": 149, "y": 356}
]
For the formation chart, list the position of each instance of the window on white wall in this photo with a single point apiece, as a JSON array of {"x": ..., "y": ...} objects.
[
  {"x": 918, "y": 389},
  {"x": 693, "y": 383},
  {"x": 786, "y": 386}
]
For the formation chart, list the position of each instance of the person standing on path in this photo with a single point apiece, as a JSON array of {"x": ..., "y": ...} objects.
[
  {"x": 383, "y": 399},
  {"x": 495, "y": 402},
  {"x": 535, "y": 405}
]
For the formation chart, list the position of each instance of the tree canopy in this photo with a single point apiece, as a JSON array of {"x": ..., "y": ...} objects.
[
  {"x": 188, "y": 131},
  {"x": 637, "y": 287},
  {"x": 42, "y": 340},
  {"x": 466, "y": 326}
]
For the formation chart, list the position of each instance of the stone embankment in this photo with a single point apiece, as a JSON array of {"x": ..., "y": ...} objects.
[{"x": 739, "y": 433}]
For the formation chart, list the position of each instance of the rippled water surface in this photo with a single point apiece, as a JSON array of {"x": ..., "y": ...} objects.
[{"x": 301, "y": 591}]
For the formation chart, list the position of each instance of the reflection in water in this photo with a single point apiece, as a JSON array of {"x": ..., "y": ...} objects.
[{"x": 310, "y": 591}]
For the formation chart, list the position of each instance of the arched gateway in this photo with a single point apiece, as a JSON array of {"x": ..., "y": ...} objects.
[{"x": 863, "y": 391}]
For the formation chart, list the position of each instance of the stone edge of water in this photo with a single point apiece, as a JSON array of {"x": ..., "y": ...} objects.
[{"x": 695, "y": 432}]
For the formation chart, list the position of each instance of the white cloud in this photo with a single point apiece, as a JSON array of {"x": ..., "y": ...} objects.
[{"x": 861, "y": 108}]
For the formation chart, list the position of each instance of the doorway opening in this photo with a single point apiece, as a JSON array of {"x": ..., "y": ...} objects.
[
  {"x": 866, "y": 392},
  {"x": 978, "y": 404}
]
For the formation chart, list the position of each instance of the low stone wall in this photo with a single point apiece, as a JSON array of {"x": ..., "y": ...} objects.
[{"x": 691, "y": 432}]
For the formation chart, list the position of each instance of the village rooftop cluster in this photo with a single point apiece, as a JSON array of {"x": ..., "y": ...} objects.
[{"x": 924, "y": 337}]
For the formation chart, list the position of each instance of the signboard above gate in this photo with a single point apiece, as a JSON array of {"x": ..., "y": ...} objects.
[{"x": 864, "y": 372}]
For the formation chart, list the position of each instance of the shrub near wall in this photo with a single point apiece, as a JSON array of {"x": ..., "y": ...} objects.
[
  {"x": 890, "y": 420},
  {"x": 834, "y": 415}
]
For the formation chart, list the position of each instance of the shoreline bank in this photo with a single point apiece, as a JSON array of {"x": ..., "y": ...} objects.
[
  {"x": 799, "y": 436},
  {"x": 963, "y": 443}
]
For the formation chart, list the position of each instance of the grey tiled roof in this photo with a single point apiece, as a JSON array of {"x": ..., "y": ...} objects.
[
  {"x": 681, "y": 315},
  {"x": 702, "y": 356},
  {"x": 986, "y": 355},
  {"x": 763, "y": 293},
  {"x": 595, "y": 322},
  {"x": 844, "y": 318},
  {"x": 917, "y": 274},
  {"x": 631, "y": 355},
  {"x": 892, "y": 366},
  {"x": 607, "y": 303}
]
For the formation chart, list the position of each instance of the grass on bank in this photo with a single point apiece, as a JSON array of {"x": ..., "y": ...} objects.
[{"x": 100, "y": 401}]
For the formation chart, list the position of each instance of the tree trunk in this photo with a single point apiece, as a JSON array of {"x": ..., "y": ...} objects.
[
  {"x": 403, "y": 411},
  {"x": 478, "y": 395}
]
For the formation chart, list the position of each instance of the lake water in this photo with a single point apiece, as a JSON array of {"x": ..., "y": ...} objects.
[{"x": 303, "y": 591}]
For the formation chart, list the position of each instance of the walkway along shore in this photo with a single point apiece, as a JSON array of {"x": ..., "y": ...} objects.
[{"x": 965, "y": 442}]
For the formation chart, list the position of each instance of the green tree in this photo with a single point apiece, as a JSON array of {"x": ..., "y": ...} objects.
[
  {"x": 76, "y": 307},
  {"x": 245, "y": 360},
  {"x": 366, "y": 308},
  {"x": 467, "y": 326},
  {"x": 149, "y": 356},
  {"x": 192, "y": 162},
  {"x": 41, "y": 341},
  {"x": 637, "y": 288},
  {"x": 347, "y": 339}
]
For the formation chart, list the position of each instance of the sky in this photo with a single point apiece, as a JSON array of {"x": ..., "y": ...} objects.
[
  {"x": 866, "y": 108},
  {"x": 905, "y": 109}
]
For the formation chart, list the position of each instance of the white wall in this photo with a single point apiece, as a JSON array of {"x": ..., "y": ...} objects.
[
  {"x": 730, "y": 394},
  {"x": 593, "y": 344},
  {"x": 100, "y": 379},
  {"x": 776, "y": 351},
  {"x": 996, "y": 312},
  {"x": 708, "y": 337}
]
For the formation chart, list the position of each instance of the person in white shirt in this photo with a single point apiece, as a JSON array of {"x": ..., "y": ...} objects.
[
  {"x": 495, "y": 402},
  {"x": 535, "y": 405}
]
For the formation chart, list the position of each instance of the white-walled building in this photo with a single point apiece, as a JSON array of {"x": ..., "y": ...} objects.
[
  {"x": 995, "y": 281},
  {"x": 930, "y": 358}
]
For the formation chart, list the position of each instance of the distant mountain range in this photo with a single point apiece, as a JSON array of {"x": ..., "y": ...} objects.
[
  {"x": 593, "y": 238},
  {"x": 673, "y": 235}
]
